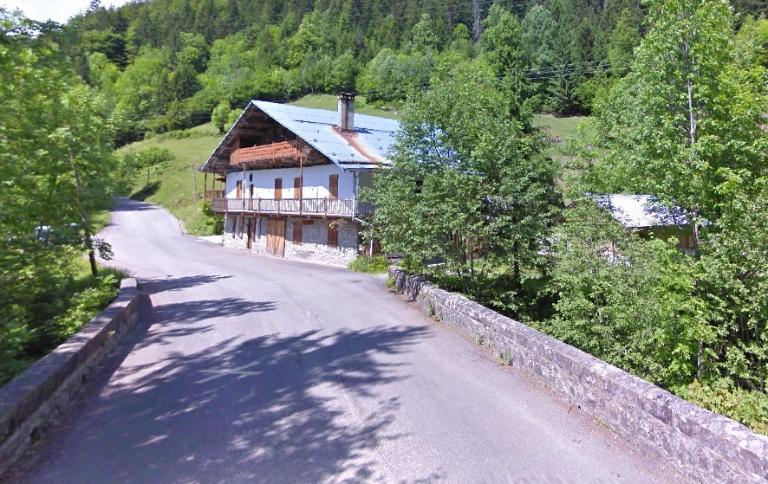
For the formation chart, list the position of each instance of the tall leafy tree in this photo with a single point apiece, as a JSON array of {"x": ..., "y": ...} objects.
[
  {"x": 685, "y": 112},
  {"x": 502, "y": 47},
  {"x": 81, "y": 149},
  {"x": 55, "y": 167},
  {"x": 467, "y": 183},
  {"x": 624, "y": 38}
]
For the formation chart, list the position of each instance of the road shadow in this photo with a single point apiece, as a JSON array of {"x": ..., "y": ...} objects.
[
  {"x": 146, "y": 191},
  {"x": 263, "y": 410},
  {"x": 177, "y": 320},
  {"x": 123, "y": 204},
  {"x": 165, "y": 284}
]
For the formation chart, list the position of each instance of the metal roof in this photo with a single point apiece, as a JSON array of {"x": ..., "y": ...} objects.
[
  {"x": 366, "y": 147},
  {"x": 641, "y": 211}
]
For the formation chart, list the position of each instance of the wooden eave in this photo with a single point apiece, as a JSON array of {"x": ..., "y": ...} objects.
[{"x": 255, "y": 124}]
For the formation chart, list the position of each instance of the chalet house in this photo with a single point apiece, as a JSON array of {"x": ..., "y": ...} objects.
[
  {"x": 647, "y": 216},
  {"x": 292, "y": 178}
]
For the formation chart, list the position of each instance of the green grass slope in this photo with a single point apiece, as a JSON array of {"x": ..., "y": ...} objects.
[
  {"x": 173, "y": 185},
  {"x": 328, "y": 101},
  {"x": 178, "y": 186},
  {"x": 559, "y": 129}
]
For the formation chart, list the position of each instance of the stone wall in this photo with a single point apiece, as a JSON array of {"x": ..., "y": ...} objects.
[
  {"x": 701, "y": 445},
  {"x": 314, "y": 246},
  {"x": 33, "y": 400}
]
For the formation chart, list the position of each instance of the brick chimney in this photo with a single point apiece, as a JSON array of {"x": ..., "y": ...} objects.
[{"x": 347, "y": 111}]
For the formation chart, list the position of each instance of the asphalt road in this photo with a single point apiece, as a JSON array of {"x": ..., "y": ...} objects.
[{"x": 254, "y": 369}]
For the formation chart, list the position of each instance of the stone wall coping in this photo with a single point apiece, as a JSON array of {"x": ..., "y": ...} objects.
[
  {"x": 722, "y": 435},
  {"x": 27, "y": 393}
]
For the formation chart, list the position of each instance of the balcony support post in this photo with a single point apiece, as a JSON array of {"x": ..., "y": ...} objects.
[
  {"x": 244, "y": 187},
  {"x": 301, "y": 180}
]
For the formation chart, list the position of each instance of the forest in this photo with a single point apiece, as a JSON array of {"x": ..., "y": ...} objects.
[
  {"x": 676, "y": 91},
  {"x": 172, "y": 64}
]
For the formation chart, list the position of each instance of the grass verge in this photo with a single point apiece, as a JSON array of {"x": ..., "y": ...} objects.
[
  {"x": 176, "y": 185},
  {"x": 370, "y": 265}
]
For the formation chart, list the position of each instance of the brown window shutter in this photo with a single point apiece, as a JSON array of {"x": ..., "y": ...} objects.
[
  {"x": 333, "y": 186},
  {"x": 297, "y": 188},
  {"x": 239, "y": 189},
  {"x": 333, "y": 236},
  {"x": 297, "y": 232},
  {"x": 278, "y": 188}
]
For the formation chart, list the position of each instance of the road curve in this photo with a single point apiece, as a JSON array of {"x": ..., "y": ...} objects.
[{"x": 253, "y": 369}]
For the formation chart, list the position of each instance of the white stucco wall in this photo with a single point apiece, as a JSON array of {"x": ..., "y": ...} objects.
[{"x": 315, "y": 182}]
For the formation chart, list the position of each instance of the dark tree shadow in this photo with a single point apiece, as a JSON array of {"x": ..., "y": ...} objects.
[
  {"x": 146, "y": 191},
  {"x": 164, "y": 284},
  {"x": 263, "y": 410},
  {"x": 123, "y": 204}
]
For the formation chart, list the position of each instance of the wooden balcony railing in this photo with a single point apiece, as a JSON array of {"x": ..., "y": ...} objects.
[
  {"x": 348, "y": 207},
  {"x": 265, "y": 153},
  {"x": 212, "y": 194}
]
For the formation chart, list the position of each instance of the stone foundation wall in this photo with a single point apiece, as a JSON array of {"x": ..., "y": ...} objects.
[
  {"x": 234, "y": 237},
  {"x": 701, "y": 445},
  {"x": 314, "y": 246},
  {"x": 33, "y": 400}
]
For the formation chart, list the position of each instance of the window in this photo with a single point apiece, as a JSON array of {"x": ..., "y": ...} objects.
[
  {"x": 297, "y": 188},
  {"x": 333, "y": 235},
  {"x": 278, "y": 188},
  {"x": 333, "y": 187},
  {"x": 297, "y": 232}
]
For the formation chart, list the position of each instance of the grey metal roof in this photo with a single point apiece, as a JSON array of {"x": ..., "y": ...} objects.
[
  {"x": 641, "y": 211},
  {"x": 366, "y": 147}
]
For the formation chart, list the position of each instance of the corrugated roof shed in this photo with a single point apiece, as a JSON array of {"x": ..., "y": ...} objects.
[
  {"x": 641, "y": 211},
  {"x": 366, "y": 147}
]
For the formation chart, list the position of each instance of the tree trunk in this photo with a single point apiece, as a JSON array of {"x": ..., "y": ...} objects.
[
  {"x": 477, "y": 26},
  {"x": 84, "y": 218}
]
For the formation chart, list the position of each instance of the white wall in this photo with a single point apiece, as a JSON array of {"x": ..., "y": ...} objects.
[{"x": 315, "y": 182}]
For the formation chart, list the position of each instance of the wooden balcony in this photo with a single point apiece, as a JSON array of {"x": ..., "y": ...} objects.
[
  {"x": 268, "y": 155},
  {"x": 213, "y": 194},
  {"x": 325, "y": 207}
]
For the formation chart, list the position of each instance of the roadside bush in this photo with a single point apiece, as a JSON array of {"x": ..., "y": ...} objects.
[
  {"x": 48, "y": 294},
  {"x": 372, "y": 265},
  {"x": 723, "y": 397},
  {"x": 85, "y": 304},
  {"x": 213, "y": 222},
  {"x": 626, "y": 300}
]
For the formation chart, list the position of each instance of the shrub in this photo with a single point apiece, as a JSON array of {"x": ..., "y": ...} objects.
[
  {"x": 723, "y": 397},
  {"x": 372, "y": 265},
  {"x": 85, "y": 304},
  {"x": 213, "y": 222},
  {"x": 626, "y": 300}
]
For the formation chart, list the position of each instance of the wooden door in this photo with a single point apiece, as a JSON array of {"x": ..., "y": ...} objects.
[
  {"x": 298, "y": 227},
  {"x": 333, "y": 235},
  {"x": 333, "y": 187},
  {"x": 276, "y": 237},
  {"x": 297, "y": 188},
  {"x": 278, "y": 188}
]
